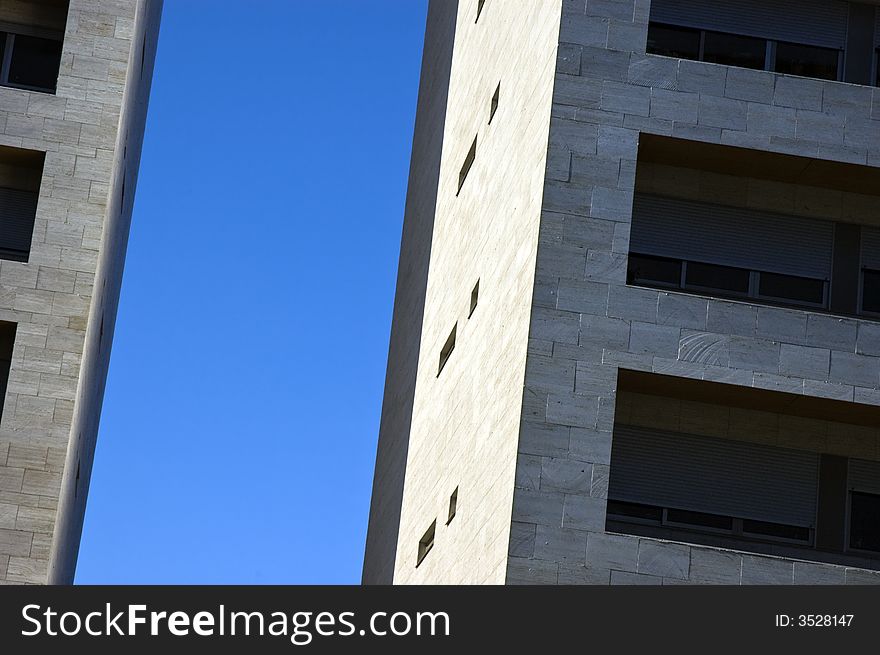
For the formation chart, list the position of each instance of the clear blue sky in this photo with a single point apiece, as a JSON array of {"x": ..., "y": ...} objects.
[{"x": 239, "y": 428}]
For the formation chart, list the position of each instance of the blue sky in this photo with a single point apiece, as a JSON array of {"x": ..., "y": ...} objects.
[{"x": 239, "y": 428}]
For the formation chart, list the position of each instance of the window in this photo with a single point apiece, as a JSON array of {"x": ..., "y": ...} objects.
[
  {"x": 776, "y": 530},
  {"x": 466, "y": 167},
  {"x": 672, "y": 41},
  {"x": 29, "y": 62},
  {"x": 448, "y": 347},
  {"x": 715, "y": 277},
  {"x": 660, "y": 271},
  {"x": 426, "y": 543},
  {"x": 475, "y": 296},
  {"x": 864, "y": 526},
  {"x": 806, "y": 60},
  {"x": 790, "y": 287},
  {"x": 7, "y": 343},
  {"x": 744, "y": 51},
  {"x": 453, "y": 506},
  {"x": 734, "y": 50},
  {"x": 871, "y": 291},
  {"x": 480, "y": 4},
  {"x": 21, "y": 174},
  {"x": 494, "y": 106}
]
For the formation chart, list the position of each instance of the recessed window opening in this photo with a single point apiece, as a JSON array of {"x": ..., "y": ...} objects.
[
  {"x": 21, "y": 172},
  {"x": 475, "y": 297},
  {"x": 480, "y": 4},
  {"x": 453, "y": 506},
  {"x": 7, "y": 343},
  {"x": 864, "y": 523},
  {"x": 494, "y": 106},
  {"x": 426, "y": 543},
  {"x": 447, "y": 349},
  {"x": 466, "y": 167},
  {"x": 870, "y": 291}
]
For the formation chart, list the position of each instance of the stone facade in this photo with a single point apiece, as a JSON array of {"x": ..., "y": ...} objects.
[
  {"x": 63, "y": 299},
  {"x": 586, "y": 323}
]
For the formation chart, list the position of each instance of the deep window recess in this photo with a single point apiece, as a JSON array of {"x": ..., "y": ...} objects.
[
  {"x": 29, "y": 62},
  {"x": 453, "y": 506},
  {"x": 21, "y": 172},
  {"x": 744, "y": 51},
  {"x": 447, "y": 349},
  {"x": 654, "y": 271},
  {"x": 475, "y": 297},
  {"x": 466, "y": 167},
  {"x": 870, "y": 291},
  {"x": 426, "y": 543},
  {"x": 494, "y": 105},
  {"x": 7, "y": 342},
  {"x": 734, "y": 50},
  {"x": 864, "y": 523}
]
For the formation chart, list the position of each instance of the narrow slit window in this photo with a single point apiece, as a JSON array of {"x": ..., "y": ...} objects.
[
  {"x": 448, "y": 347},
  {"x": 480, "y": 4},
  {"x": 453, "y": 506},
  {"x": 426, "y": 543},
  {"x": 494, "y": 106},
  {"x": 475, "y": 297},
  {"x": 466, "y": 167}
]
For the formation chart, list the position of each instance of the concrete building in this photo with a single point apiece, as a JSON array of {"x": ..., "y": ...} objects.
[
  {"x": 74, "y": 83},
  {"x": 636, "y": 337}
]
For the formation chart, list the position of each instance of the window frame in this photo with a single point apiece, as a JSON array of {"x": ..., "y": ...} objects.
[{"x": 6, "y": 63}]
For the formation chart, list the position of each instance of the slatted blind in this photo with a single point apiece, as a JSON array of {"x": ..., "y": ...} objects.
[
  {"x": 864, "y": 475},
  {"x": 17, "y": 211},
  {"x": 812, "y": 22},
  {"x": 744, "y": 238},
  {"x": 716, "y": 476},
  {"x": 871, "y": 248}
]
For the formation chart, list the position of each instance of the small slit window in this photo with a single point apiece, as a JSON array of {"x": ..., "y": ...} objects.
[
  {"x": 475, "y": 297},
  {"x": 453, "y": 506},
  {"x": 494, "y": 106},
  {"x": 466, "y": 167},
  {"x": 426, "y": 543},
  {"x": 480, "y": 4},
  {"x": 447, "y": 349}
]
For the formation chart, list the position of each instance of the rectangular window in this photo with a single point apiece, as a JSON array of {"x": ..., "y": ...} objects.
[
  {"x": 871, "y": 291},
  {"x": 494, "y": 106},
  {"x": 466, "y": 167},
  {"x": 426, "y": 543},
  {"x": 790, "y": 287},
  {"x": 634, "y": 511},
  {"x": 647, "y": 269},
  {"x": 864, "y": 521},
  {"x": 806, "y": 60},
  {"x": 735, "y": 50},
  {"x": 7, "y": 343},
  {"x": 448, "y": 347},
  {"x": 475, "y": 297},
  {"x": 672, "y": 41},
  {"x": 715, "y": 277},
  {"x": 776, "y": 531},
  {"x": 21, "y": 173},
  {"x": 453, "y": 506},
  {"x": 29, "y": 62},
  {"x": 699, "y": 520}
]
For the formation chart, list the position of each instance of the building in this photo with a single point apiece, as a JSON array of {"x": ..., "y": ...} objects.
[
  {"x": 636, "y": 337},
  {"x": 74, "y": 84}
]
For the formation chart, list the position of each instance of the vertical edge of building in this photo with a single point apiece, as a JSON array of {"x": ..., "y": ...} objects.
[
  {"x": 105, "y": 300},
  {"x": 409, "y": 301}
]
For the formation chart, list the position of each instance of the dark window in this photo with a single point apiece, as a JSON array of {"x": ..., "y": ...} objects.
[
  {"x": 480, "y": 4},
  {"x": 426, "y": 543},
  {"x": 453, "y": 506},
  {"x": 734, "y": 50},
  {"x": 713, "y": 276},
  {"x": 468, "y": 162},
  {"x": 864, "y": 521},
  {"x": 671, "y": 41},
  {"x": 634, "y": 511},
  {"x": 791, "y": 287},
  {"x": 448, "y": 347},
  {"x": 699, "y": 519},
  {"x": 494, "y": 106},
  {"x": 871, "y": 291},
  {"x": 777, "y": 530},
  {"x": 806, "y": 60},
  {"x": 475, "y": 297},
  {"x": 34, "y": 62},
  {"x": 647, "y": 269}
]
